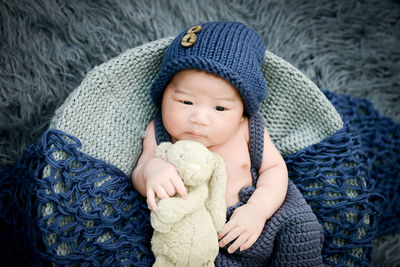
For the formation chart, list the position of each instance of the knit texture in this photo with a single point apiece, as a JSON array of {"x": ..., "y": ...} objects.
[
  {"x": 46, "y": 54},
  {"x": 108, "y": 114},
  {"x": 109, "y": 111},
  {"x": 228, "y": 49},
  {"x": 380, "y": 139},
  {"x": 291, "y": 236},
  {"x": 339, "y": 196},
  {"x": 82, "y": 209},
  {"x": 334, "y": 178},
  {"x": 73, "y": 209}
]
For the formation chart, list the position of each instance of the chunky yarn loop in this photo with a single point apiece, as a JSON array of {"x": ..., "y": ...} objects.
[{"x": 83, "y": 210}]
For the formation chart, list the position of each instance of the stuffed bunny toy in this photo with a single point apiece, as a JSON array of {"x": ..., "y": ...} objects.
[{"x": 185, "y": 230}]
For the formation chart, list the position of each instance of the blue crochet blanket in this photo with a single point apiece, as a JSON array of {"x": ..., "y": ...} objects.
[{"x": 102, "y": 220}]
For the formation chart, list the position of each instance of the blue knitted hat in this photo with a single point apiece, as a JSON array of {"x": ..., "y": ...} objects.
[{"x": 229, "y": 49}]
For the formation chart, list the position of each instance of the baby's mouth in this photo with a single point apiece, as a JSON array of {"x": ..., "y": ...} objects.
[{"x": 195, "y": 134}]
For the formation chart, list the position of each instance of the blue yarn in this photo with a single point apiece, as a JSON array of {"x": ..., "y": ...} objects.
[
  {"x": 228, "y": 49},
  {"x": 292, "y": 236},
  {"x": 19, "y": 236},
  {"x": 380, "y": 139},
  {"x": 340, "y": 158},
  {"x": 128, "y": 224},
  {"x": 367, "y": 146}
]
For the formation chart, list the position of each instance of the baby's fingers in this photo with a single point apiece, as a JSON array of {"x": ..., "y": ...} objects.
[
  {"x": 169, "y": 188},
  {"x": 180, "y": 188},
  {"x": 226, "y": 229},
  {"x": 252, "y": 239},
  {"x": 230, "y": 236},
  {"x": 151, "y": 200},
  {"x": 161, "y": 192},
  {"x": 239, "y": 242}
]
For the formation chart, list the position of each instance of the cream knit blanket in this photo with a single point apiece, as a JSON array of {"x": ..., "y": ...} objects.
[{"x": 111, "y": 108}]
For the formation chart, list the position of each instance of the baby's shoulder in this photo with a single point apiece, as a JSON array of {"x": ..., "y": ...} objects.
[
  {"x": 150, "y": 126},
  {"x": 149, "y": 139},
  {"x": 150, "y": 130}
]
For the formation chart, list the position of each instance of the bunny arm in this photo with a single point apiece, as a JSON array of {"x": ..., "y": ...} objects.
[
  {"x": 215, "y": 203},
  {"x": 217, "y": 211},
  {"x": 158, "y": 225},
  {"x": 173, "y": 209}
]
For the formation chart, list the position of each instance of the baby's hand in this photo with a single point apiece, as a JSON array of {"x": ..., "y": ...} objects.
[
  {"x": 245, "y": 225},
  {"x": 163, "y": 181}
]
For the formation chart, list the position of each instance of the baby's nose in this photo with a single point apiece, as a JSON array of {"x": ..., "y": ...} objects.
[{"x": 200, "y": 116}]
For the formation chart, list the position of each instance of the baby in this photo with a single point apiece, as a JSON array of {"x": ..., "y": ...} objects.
[{"x": 209, "y": 89}]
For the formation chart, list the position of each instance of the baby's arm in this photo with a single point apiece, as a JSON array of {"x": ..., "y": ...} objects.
[
  {"x": 247, "y": 221},
  {"x": 153, "y": 176}
]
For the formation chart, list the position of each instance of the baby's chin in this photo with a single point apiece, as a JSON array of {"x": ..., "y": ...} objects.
[{"x": 194, "y": 137}]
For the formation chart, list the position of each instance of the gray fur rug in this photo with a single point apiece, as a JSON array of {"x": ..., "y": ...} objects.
[{"x": 47, "y": 47}]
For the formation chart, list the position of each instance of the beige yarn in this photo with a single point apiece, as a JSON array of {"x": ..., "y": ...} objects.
[{"x": 110, "y": 110}]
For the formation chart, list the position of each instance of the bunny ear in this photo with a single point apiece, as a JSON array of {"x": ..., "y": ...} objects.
[
  {"x": 215, "y": 203},
  {"x": 161, "y": 151}
]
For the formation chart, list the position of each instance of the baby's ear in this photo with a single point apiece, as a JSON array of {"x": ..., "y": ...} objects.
[{"x": 161, "y": 151}]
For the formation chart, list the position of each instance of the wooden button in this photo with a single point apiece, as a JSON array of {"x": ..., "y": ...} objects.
[
  {"x": 195, "y": 29},
  {"x": 189, "y": 39}
]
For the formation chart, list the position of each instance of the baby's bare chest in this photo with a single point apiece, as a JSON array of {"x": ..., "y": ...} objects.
[{"x": 236, "y": 155}]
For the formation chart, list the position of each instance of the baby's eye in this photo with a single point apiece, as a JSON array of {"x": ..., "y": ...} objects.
[
  {"x": 187, "y": 102},
  {"x": 219, "y": 108}
]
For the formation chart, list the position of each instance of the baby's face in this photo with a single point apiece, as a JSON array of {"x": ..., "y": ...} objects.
[{"x": 201, "y": 107}]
